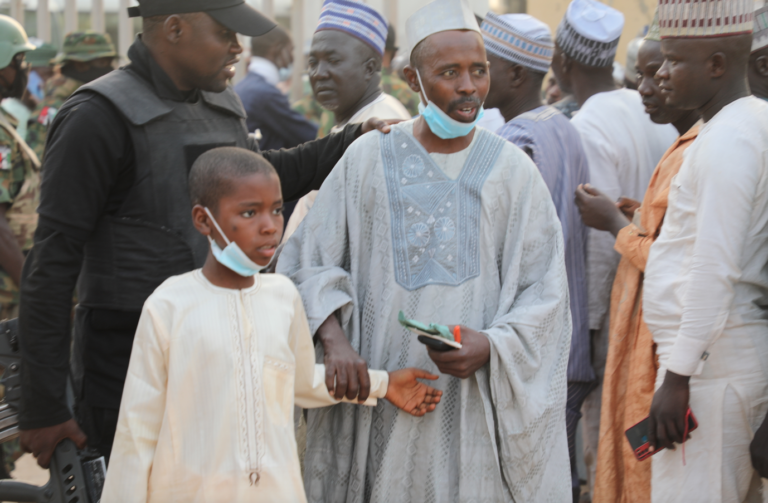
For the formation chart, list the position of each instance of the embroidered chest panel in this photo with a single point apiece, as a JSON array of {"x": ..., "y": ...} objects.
[{"x": 435, "y": 220}]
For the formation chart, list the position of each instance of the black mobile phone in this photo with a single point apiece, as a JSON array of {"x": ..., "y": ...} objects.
[
  {"x": 434, "y": 343},
  {"x": 638, "y": 436}
]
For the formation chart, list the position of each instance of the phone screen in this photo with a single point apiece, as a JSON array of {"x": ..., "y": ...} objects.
[{"x": 638, "y": 435}]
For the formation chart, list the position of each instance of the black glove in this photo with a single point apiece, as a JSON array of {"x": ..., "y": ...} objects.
[{"x": 759, "y": 449}]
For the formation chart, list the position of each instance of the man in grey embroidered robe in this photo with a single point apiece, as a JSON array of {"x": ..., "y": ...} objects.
[{"x": 457, "y": 229}]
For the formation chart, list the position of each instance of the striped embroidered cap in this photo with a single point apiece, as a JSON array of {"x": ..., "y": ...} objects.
[
  {"x": 438, "y": 16},
  {"x": 705, "y": 18},
  {"x": 519, "y": 38},
  {"x": 589, "y": 33},
  {"x": 356, "y": 19},
  {"x": 760, "y": 34}
]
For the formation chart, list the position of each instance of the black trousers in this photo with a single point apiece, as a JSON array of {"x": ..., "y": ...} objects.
[
  {"x": 577, "y": 393},
  {"x": 102, "y": 349}
]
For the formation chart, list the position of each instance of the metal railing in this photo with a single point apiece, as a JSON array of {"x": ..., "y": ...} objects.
[{"x": 125, "y": 27}]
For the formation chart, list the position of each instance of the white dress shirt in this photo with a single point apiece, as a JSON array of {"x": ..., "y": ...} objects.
[
  {"x": 706, "y": 282},
  {"x": 264, "y": 67},
  {"x": 623, "y": 147}
]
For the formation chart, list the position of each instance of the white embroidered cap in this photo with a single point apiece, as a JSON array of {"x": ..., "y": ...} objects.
[
  {"x": 437, "y": 16},
  {"x": 590, "y": 32}
]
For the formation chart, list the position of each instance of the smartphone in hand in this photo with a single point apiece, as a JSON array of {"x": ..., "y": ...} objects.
[{"x": 638, "y": 436}]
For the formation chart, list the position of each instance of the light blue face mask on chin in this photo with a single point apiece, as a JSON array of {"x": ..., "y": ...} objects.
[
  {"x": 232, "y": 257},
  {"x": 285, "y": 73},
  {"x": 441, "y": 123}
]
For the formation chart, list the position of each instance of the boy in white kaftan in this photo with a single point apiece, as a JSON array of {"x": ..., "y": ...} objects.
[
  {"x": 219, "y": 354},
  {"x": 470, "y": 238},
  {"x": 261, "y": 342}
]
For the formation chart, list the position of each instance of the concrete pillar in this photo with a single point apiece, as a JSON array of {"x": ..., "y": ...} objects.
[
  {"x": 297, "y": 33},
  {"x": 97, "y": 16},
  {"x": 17, "y": 11},
  {"x": 43, "y": 21},
  {"x": 268, "y": 8},
  {"x": 124, "y": 30},
  {"x": 70, "y": 16},
  {"x": 390, "y": 14}
]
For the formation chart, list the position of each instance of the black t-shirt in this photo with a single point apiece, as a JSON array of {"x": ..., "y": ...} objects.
[{"x": 88, "y": 170}]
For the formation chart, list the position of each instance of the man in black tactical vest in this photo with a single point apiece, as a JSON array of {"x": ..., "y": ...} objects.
[{"x": 115, "y": 211}]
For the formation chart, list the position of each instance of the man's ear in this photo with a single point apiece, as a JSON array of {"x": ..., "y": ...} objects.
[
  {"x": 518, "y": 75},
  {"x": 372, "y": 66},
  {"x": 201, "y": 220},
  {"x": 173, "y": 28},
  {"x": 717, "y": 63},
  {"x": 567, "y": 65},
  {"x": 412, "y": 79},
  {"x": 761, "y": 66}
]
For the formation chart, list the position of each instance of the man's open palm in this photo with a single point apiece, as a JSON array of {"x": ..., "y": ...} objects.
[{"x": 407, "y": 393}]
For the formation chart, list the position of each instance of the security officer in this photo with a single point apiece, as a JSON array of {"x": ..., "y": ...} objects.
[
  {"x": 85, "y": 56},
  {"x": 115, "y": 214}
]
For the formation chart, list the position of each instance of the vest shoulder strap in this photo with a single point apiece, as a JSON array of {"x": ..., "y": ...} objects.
[
  {"x": 227, "y": 101},
  {"x": 135, "y": 98},
  {"x": 130, "y": 94}
]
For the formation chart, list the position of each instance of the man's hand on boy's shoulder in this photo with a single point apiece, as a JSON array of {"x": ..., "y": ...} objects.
[
  {"x": 410, "y": 395},
  {"x": 376, "y": 124}
]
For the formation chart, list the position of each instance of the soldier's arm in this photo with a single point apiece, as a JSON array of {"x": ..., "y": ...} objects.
[
  {"x": 11, "y": 179},
  {"x": 87, "y": 162},
  {"x": 11, "y": 256}
]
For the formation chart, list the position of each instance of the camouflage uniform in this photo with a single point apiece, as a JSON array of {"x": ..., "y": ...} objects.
[
  {"x": 58, "y": 90},
  {"x": 312, "y": 111},
  {"x": 78, "y": 46},
  {"x": 20, "y": 189},
  {"x": 392, "y": 85}
]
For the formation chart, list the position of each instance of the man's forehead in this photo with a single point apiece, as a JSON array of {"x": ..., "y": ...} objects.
[
  {"x": 649, "y": 52},
  {"x": 329, "y": 41},
  {"x": 445, "y": 43}
]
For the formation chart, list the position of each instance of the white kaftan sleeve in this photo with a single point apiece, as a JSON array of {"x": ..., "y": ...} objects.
[
  {"x": 141, "y": 413},
  {"x": 602, "y": 259},
  {"x": 311, "y": 391},
  {"x": 316, "y": 257},
  {"x": 530, "y": 342},
  {"x": 728, "y": 180}
]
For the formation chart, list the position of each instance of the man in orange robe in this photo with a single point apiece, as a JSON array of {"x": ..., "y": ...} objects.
[{"x": 630, "y": 371}]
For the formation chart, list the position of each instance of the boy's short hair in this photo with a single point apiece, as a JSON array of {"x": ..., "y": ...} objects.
[{"x": 213, "y": 173}]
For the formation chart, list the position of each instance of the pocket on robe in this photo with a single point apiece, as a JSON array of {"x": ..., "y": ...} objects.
[{"x": 279, "y": 377}]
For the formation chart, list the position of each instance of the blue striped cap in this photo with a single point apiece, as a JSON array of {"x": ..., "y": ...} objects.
[
  {"x": 519, "y": 38},
  {"x": 356, "y": 19}
]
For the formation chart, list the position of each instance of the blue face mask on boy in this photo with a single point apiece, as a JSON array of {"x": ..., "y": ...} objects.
[
  {"x": 441, "y": 123},
  {"x": 232, "y": 257}
]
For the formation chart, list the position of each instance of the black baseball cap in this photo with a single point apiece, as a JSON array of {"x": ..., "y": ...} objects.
[{"x": 236, "y": 15}]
